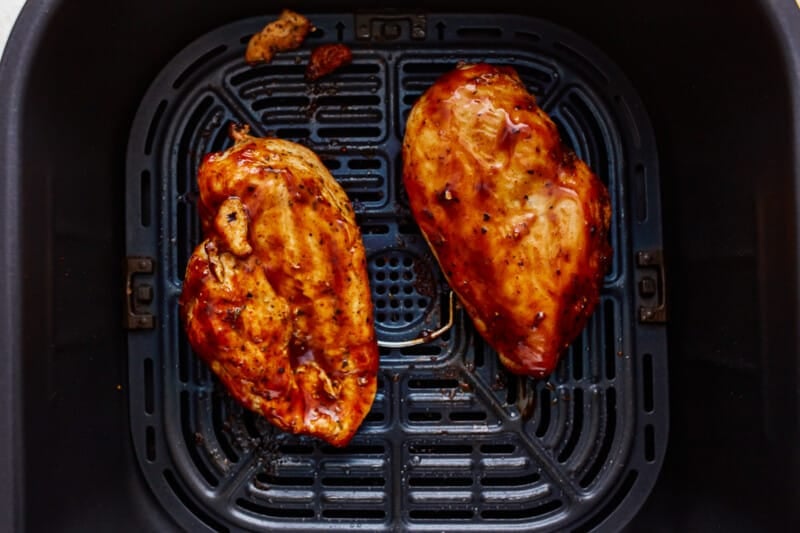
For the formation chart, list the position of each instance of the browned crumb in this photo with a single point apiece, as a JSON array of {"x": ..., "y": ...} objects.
[
  {"x": 286, "y": 33},
  {"x": 326, "y": 58}
]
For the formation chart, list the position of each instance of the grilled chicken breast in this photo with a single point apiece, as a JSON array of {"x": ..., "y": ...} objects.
[
  {"x": 518, "y": 223},
  {"x": 276, "y": 298}
]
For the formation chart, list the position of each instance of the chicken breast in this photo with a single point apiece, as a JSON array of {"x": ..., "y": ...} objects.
[
  {"x": 276, "y": 299},
  {"x": 517, "y": 222}
]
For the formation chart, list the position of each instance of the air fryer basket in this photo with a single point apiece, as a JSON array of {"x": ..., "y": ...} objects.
[
  {"x": 720, "y": 82},
  {"x": 453, "y": 440}
]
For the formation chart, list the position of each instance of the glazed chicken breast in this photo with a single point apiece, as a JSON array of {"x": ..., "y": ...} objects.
[
  {"x": 517, "y": 222},
  {"x": 276, "y": 298}
]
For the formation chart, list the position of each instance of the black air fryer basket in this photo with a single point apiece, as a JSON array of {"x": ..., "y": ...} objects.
[
  {"x": 122, "y": 427},
  {"x": 453, "y": 440}
]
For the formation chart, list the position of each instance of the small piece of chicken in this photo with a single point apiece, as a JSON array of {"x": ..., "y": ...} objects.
[
  {"x": 286, "y": 33},
  {"x": 276, "y": 299},
  {"x": 518, "y": 223},
  {"x": 326, "y": 58}
]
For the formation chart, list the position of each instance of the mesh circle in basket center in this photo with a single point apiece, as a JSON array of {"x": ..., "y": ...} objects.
[{"x": 402, "y": 288}]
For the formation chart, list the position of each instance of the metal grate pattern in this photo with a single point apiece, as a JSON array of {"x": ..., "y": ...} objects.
[{"x": 453, "y": 440}]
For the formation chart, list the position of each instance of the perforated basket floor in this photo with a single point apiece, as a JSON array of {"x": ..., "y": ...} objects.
[{"x": 453, "y": 441}]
